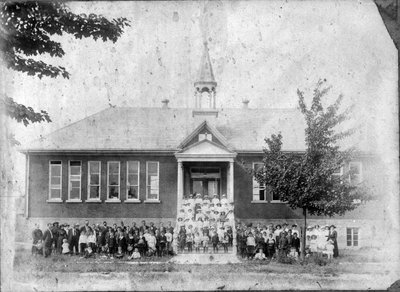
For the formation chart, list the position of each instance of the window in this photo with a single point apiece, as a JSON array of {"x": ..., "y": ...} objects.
[
  {"x": 152, "y": 181},
  {"x": 55, "y": 181},
  {"x": 132, "y": 181},
  {"x": 205, "y": 136},
  {"x": 355, "y": 172},
  {"x": 259, "y": 193},
  {"x": 94, "y": 180},
  {"x": 352, "y": 236},
  {"x": 338, "y": 173},
  {"x": 74, "y": 182},
  {"x": 113, "y": 180}
]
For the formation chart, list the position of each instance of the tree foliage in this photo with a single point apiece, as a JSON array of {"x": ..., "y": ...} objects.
[
  {"x": 26, "y": 32},
  {"x": 308, "y": 180}
]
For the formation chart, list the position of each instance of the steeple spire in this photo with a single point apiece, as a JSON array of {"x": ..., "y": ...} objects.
[{"x": 205, "y": 82}]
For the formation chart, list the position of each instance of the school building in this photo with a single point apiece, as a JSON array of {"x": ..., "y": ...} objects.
[{"x": 138, "y": 163}]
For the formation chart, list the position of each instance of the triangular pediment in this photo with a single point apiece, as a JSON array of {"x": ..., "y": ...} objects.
[
  {"x": 205, "y": 147},
  {"x": 204, "y": 131}
]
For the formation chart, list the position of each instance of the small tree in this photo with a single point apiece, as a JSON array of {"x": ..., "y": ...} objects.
[
  {"x": 26, "y": 30},
  {"x": 308, "y": 181}
]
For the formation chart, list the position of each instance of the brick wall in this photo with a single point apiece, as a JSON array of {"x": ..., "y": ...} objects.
[{"x": 39, "y": 189}]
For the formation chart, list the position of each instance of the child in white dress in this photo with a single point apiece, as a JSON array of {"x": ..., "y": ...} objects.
[{"x": 65, "y": 246}]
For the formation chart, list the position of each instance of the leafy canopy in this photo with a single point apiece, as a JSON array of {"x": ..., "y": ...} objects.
[
  {"x": 310, "y": 181},
  {"x": 26, "y": 31}
]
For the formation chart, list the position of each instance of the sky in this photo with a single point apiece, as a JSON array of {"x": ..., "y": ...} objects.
[{"x": 260, "y": 50}]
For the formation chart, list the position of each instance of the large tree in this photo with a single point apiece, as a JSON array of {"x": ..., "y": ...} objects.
[
  {"x": 310, "y": 181},
  {"x": 26, "y": 31}
]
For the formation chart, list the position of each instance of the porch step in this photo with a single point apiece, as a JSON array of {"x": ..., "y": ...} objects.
[{"x": 206, "y": 258}]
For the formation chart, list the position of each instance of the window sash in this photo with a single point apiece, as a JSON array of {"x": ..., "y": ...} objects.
[
  {"x": 93, "y": 187},
  {"x": 352, "y": 236},
  {"x": 259, "y": 191},
  {"x": 356, "y": 177},
  {"x": 113, "y": 188},
  {"x": 152, "y": 181},
  {"x": 132, "y": 188},
  {"x": 55, "y": 188},
  {"x": 74, "y": 190}
]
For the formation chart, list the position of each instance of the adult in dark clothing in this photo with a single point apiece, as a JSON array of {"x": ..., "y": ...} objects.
[
  {"x": 55, "y": 229},
  {"x": 152, "y": 228},
  {"x": 121, "y": 240},
  {"x": 143, "y": 227},
  {"x": 48, "y": 239},
  {"x": 62, "y": 234},
  {"x": 333, "y": 236},
  {"x": 270, "y": 244},
  {"x": 289, "y": 237},
  {"x": 283, "y": 245},
  {"x": 169, "y": 228},
  {"x": 85, "y": 227},
  {"x": 73, "y": 239},
  {"x": 134, "y": 228},
  {"x": 241, "y": 241},
  {"x": 37, "y": 236},
  {"x": 296, "y": 243},
  {"x": 103, "y": 232}
]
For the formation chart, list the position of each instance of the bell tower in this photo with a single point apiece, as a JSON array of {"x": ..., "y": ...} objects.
[{"x": 205, "y": 85}]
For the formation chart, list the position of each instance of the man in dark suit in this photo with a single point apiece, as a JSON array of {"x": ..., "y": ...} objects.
[
  {"x": 48, "y": 239},
  {"x": 85, "y": 227},
  {"x": 143, "y": 227},
  {"x": 55, "y": 230},
  {"x": 73, "y": 239}
]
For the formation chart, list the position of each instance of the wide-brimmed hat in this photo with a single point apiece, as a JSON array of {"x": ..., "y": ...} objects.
[{"x": 332, "y": 226}]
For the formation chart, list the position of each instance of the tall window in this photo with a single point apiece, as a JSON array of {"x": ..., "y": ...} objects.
[
  {"x": 132, "y": 181},
  {"x": 55, "y": 174},
  {"x": 74, "y": 185},
  {"x": 352, "y": 236},
  {"x": 338, "y": 173},
  {"x": 94, "y": 180},
  {"x": 113, "y": 180},
  {"x": 259, "y": 193},
  {"x": 152, "y": 181},
  {"x": 355, "y": 169}
]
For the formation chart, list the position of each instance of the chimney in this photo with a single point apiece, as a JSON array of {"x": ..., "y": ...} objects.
[
  {"x": 245, "y": 103},
  {"x": 165, "y": 103}
]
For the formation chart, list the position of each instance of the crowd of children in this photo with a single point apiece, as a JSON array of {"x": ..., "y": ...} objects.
[{"x": 203, "y": 223}]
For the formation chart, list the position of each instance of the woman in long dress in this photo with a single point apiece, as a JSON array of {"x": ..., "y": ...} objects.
[{"x": 333, "y": 236}]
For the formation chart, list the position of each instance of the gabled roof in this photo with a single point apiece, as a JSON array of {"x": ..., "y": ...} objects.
[
  {"x": 204, "y": 126},
  {"x": 164, "y": 129}
]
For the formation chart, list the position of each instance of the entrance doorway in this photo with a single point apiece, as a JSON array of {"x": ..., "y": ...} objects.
[{"x": 205, "y": 180}]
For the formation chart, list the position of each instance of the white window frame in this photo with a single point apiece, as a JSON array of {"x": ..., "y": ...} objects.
[
  {"x": 359, "y": 163},
  {"x": 89, "y": 199},
  {"x": 50, "y": 199},
  {"x": 118, "y": 200},
  {"x": 352, "y": 237},
  {"x": 137, "y": 200},
  {"x": 339, "y": 174},
  {"x": 256, "y": 188},
  {"x": 147, "y": 184},
  {"x": 79, "y": 200}
]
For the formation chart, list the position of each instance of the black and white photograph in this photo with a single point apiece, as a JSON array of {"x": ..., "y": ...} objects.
[{"x": 200, "y": 145}]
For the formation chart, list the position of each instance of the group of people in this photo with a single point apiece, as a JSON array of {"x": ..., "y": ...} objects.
[
  {"x": 281, "y": 241},
  {"x": 201, "y": 223},
  {"x": 110, "y": 241},
  {"x": 205, "y": 222}
]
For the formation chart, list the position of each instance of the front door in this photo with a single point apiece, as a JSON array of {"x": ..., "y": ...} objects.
[{"x": 205, "y": 180}]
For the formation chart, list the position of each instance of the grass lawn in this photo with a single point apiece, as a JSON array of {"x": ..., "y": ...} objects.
[{"x": 357, "y": 268}]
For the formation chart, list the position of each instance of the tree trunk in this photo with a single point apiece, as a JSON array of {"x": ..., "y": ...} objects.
[{"x": 303, "y": 238}]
